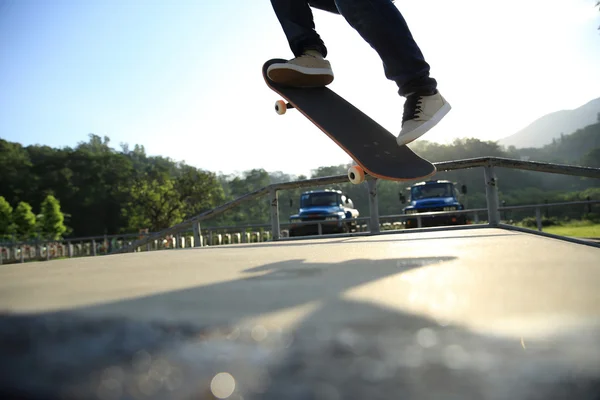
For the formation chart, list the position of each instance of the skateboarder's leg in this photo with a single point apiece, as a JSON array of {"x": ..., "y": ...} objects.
[
  {"x": 309, "y": 67},
  {"x": 382, "y": 25}
]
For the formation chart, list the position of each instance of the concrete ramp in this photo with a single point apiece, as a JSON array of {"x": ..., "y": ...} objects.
[{"x": 460, "y": 314}]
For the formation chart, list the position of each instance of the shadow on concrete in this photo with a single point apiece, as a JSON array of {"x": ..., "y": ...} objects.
[{"x": 196, "y": 343}]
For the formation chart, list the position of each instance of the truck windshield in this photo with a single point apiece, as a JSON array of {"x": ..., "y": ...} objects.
[
  {"x": 319, "y": 199},
  {"x": 428, "y": 191}
]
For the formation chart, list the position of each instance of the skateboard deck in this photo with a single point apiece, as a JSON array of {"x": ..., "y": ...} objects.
[{"x": 370, "y": 145}]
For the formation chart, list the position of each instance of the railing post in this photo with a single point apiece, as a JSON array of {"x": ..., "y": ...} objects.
[
  {"x": 538, "y": 218},
  {"x": 491, "y": 194},
  {"x": 274, "y": 213},
  {"x": 373, "y": 206},
  {"x": 197, "y": 236}
]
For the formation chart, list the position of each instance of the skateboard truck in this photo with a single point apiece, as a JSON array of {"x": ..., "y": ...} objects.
[{"x": 281, "y": 107}]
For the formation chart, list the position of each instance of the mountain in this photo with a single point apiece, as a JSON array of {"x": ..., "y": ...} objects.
[{"x": 541, "y": 132}]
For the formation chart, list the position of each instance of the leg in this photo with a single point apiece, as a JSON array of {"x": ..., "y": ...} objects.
[
  {"x": 325, "y": 5},
  {"x": 308, "y": 68},
  {"x": 382, "y": 26},
  {"x": 296, "y": 19}
]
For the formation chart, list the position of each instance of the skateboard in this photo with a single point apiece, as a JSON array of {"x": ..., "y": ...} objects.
[{"x": 372, "y": 147}]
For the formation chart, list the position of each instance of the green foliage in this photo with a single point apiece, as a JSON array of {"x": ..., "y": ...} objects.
[
  {"x": 7, "y": 228},
  {"x": 93, "y": 182},
  {"x": 154, "y": 205},
  {"x": 106, "y": 191},
  {"x": 459, "y": 149},
  {"x": 51, "y": 222},
  {"x": 592, "y": 158},
  {"x": 252, "y": 212},
  {"x": 14, "y": 166},
  {"x": 198, "y": 190},
  {"x": 531, "y": 222},
  {"x": 592, "y": 216},
  {"x": 25, "y": 222},
  {"x": 568, "y": 149}
]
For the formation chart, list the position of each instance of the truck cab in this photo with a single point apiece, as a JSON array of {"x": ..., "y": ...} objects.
[
  {"x": 431, "y": 196},
  {"x": 332, "y": 208}
]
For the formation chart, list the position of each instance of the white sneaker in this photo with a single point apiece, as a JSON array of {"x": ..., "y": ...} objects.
[
  {"x": 421, "y": 113},
  {"x": 303, "y": 71}
]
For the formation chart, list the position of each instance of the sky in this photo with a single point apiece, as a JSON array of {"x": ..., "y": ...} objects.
[{"x": 183, "y": 78}]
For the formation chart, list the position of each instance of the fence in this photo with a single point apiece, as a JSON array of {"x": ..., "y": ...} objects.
[
  {"x": 489, "y": 164},
  {"x": 190, "y": 234}
]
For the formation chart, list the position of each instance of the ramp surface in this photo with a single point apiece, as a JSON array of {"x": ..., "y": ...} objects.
[{"x": 469, "y": 314}]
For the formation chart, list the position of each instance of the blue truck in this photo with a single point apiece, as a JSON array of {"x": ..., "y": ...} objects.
[
  {"x": 331, "y": 208},
  {"x": 434, "y": 195}
]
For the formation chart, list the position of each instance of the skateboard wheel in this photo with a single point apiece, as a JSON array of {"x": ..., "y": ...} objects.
[
  {"x": 280, "y": 107},
  {"x": 356, "y": 174}
]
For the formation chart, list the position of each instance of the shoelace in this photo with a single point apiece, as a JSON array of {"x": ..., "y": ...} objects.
[{"x": 412, "y": 107}]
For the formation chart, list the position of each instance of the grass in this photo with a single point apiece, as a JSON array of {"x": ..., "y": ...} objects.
[{"x": 580, "y": 229}]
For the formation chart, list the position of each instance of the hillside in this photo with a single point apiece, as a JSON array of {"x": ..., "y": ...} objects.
[
  {"x": 581, "y": 147},
  {"x": 541, "y": 132}
]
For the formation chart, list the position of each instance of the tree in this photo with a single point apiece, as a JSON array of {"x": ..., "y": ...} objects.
[
  {"x": 7, "y": 228},
  {"x": 256, "y": 211},
  {"x": 333, "y": 170},
  {"x": 51, "y": 224},
  {"x": 100, "y": 186},
  {"x": 154, "y": 204},
  {"x": 15, "y": 178},
  {"x": 592, "y": 158},
  {"x": 24, "y": 219},
  {"x": 199, "y": 190}
]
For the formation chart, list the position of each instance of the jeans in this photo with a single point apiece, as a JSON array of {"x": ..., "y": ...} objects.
[{"x": 378, "y": 22}]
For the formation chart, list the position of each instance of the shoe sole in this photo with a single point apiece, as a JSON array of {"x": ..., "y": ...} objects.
[
  {"x": 295, "y": 75},
  {"x": 426, "y": 126}
]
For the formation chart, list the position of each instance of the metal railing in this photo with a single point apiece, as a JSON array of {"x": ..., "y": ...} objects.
[
  {"x": 174, "y": 237},
  {"x": 489, "y": 165},
  {"x": 21, "y": 252}
]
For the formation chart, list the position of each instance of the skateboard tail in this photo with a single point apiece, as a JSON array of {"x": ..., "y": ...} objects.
[{"x": 357, "y": 160}]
